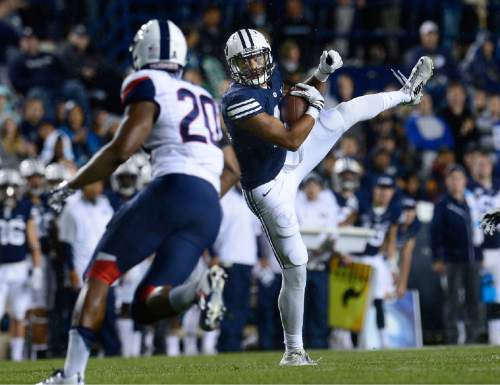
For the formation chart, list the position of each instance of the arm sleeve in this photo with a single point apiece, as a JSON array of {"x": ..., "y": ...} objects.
[{"x": 241, "y": 106}]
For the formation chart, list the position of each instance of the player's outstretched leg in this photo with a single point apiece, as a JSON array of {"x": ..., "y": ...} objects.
[{"x": 334, "y": 122}]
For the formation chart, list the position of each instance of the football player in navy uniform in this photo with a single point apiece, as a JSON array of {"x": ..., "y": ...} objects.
[
  {"x": 274, "y": 158},
  {"x": 33, "y": 173},
  {"x": 486, "y": 191},
  {"x": 18, "y": 238},
  {"x": 408, "y": 229},
  {"x": 178, "y": 122},
  {"x": 382, "y": 215}
]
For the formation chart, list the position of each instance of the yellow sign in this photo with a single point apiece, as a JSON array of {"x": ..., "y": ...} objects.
[{"x": 349, "y": 294}]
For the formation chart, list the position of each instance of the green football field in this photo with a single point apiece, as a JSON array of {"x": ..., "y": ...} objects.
[{"x": 429, "y": 365}]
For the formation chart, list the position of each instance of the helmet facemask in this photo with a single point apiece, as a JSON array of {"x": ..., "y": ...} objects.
[{"x": 252, "y": 68}]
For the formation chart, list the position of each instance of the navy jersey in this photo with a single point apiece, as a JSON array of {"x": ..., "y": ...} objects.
[
  {"x": 381, "y": 222},
  {"x": 260, "y": 161},
  {"x": 13, "y": 242},
  {"x": 405, "y": 233},
  {"x": 487, "y": 199},
  {"x": 43, "y": 216}
]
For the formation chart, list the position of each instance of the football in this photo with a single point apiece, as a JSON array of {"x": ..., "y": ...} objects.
[{"x": 292, "y": 108}]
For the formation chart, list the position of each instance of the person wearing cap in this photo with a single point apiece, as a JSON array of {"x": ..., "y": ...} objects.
[
  {"x": 429, "y": 45},
  {"x": 35, "y": 70},
  {"x": 408, "y": 229},
  {"x": 317, "y": 208},
  {"x": 381, "y": 215},
  {"x": 455, "y": 254}
]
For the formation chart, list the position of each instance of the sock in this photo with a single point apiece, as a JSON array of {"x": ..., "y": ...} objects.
[
  {"x": 291, "y": 305},
  {"x": 209, "y": 342},
  {"x": 173, "y": 345},
  {"x": 494, "y": 332},
  {"x": 190, "y": 345},
  {"x": 16, "y": 348},
  {"x": 183, "y": 296},
  {"x": 80, "y": 342},
  {"x": 125, "y": 328}
]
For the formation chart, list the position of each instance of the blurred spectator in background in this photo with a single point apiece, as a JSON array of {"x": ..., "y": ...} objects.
[
  {"x": 295, "y": 25},
  {"x": 56, "y": 148},
  {"x": 81, "y": 224},
  {"x": 291, "y": 69},
  {"x": 85, "y": 143},
  {"x": 35, "y": 70},
  {"x": 481, "y": 66},
  {"x": 212, "y": 32},
  {"x": 6, "y": 104},
  {"x": 486, "y": 192},
  {"x": 429, "y": 46},
  {"x": 317, "y": 208},
  {"x": 346, "y": 177},
  {"x": 33, "y": 114},
  {"x": 343, "y": 19},
  {"x": 13, "y": 146},
  {"x": 255, "y": 17},
  {"x": 456, "y": 256},
  {"x": 238, "y": 259},
  {"x": 427, "y": 132},
  {"x": 459, "y": 118}
]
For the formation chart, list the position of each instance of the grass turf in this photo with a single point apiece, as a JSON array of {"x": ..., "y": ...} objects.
[{"x": 428, "y": 365}]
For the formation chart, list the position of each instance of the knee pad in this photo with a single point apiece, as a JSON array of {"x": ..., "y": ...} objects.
[{"x": 379, "y": 310}]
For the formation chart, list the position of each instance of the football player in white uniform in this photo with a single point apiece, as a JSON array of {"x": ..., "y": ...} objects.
[
  {"x": 177, "y": 122},
  {"x": 270, "y": 175}
]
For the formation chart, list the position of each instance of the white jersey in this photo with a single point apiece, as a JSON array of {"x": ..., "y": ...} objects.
[{"x": 185, "y": 136}]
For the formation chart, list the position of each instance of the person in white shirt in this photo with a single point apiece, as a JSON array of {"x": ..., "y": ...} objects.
[
  {"x": 81, "y": 225},
  {"x": 236, "y": 250},
  {"x": 317, "y": 209}
]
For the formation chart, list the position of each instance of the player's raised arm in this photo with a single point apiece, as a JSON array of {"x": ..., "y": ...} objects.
[
  {"x": 134, "y": 129},
  {"x": 329, "y": 62}
]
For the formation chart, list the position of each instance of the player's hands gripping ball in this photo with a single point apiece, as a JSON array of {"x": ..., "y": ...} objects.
[
  {"x": 311, "y": 94},
  {"x": 490, "y": 221},
  {"x": 58, "y": 196}
]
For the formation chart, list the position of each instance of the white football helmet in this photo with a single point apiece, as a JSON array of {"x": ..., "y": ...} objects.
[
  {"x": 159, "y": 44},
  {"x": 55, "y": 173},
  {"x": 346, "y": 174},
  {"x": 29, "y": 169},
  {"x": 248, "y": 55},
  {"x": 125, "y": 180},
  {"x": 11, "y": 184}
]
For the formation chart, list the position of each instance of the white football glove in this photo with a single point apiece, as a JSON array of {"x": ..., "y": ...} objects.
[
  {"x": 36, "y": 278},
  {"x": 313, "y": 97},
  {"x": 58, "y": 195},
  {"x": 329, "y": 62},
  {"x": 490, "y": 221}
]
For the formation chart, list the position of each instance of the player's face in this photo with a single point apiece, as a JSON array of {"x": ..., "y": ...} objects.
[
  {"x": 251, "y": 67},
  {"x": 482, "y": 167},
  {"x": 382, "y": 195},
  {"x": 312, "y": 190},
  {"x": 36, "y": 184},
  {"x": 455, "y": 182}
]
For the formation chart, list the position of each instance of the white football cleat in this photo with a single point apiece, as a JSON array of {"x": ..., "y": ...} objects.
[
  {"x": 210, "y": 300},
  {"x": 420, "y": 75},
  {"x": 58, "y": 378},
  {"x": 297, "y": 357}
]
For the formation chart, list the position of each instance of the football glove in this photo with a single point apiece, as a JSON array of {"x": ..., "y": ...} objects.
[
  {"x": 313, "y": 97},
  {"x": 329, "y": 62},
  {"x": 490, "y": 221},
  {"x": 58, "y": 195}
]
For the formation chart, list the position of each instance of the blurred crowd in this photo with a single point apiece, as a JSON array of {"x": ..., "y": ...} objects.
[{"x": 59, "y": 104}]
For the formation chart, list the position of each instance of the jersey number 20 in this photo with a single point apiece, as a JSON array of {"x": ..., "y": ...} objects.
[{"x": 199, "y": 103}]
